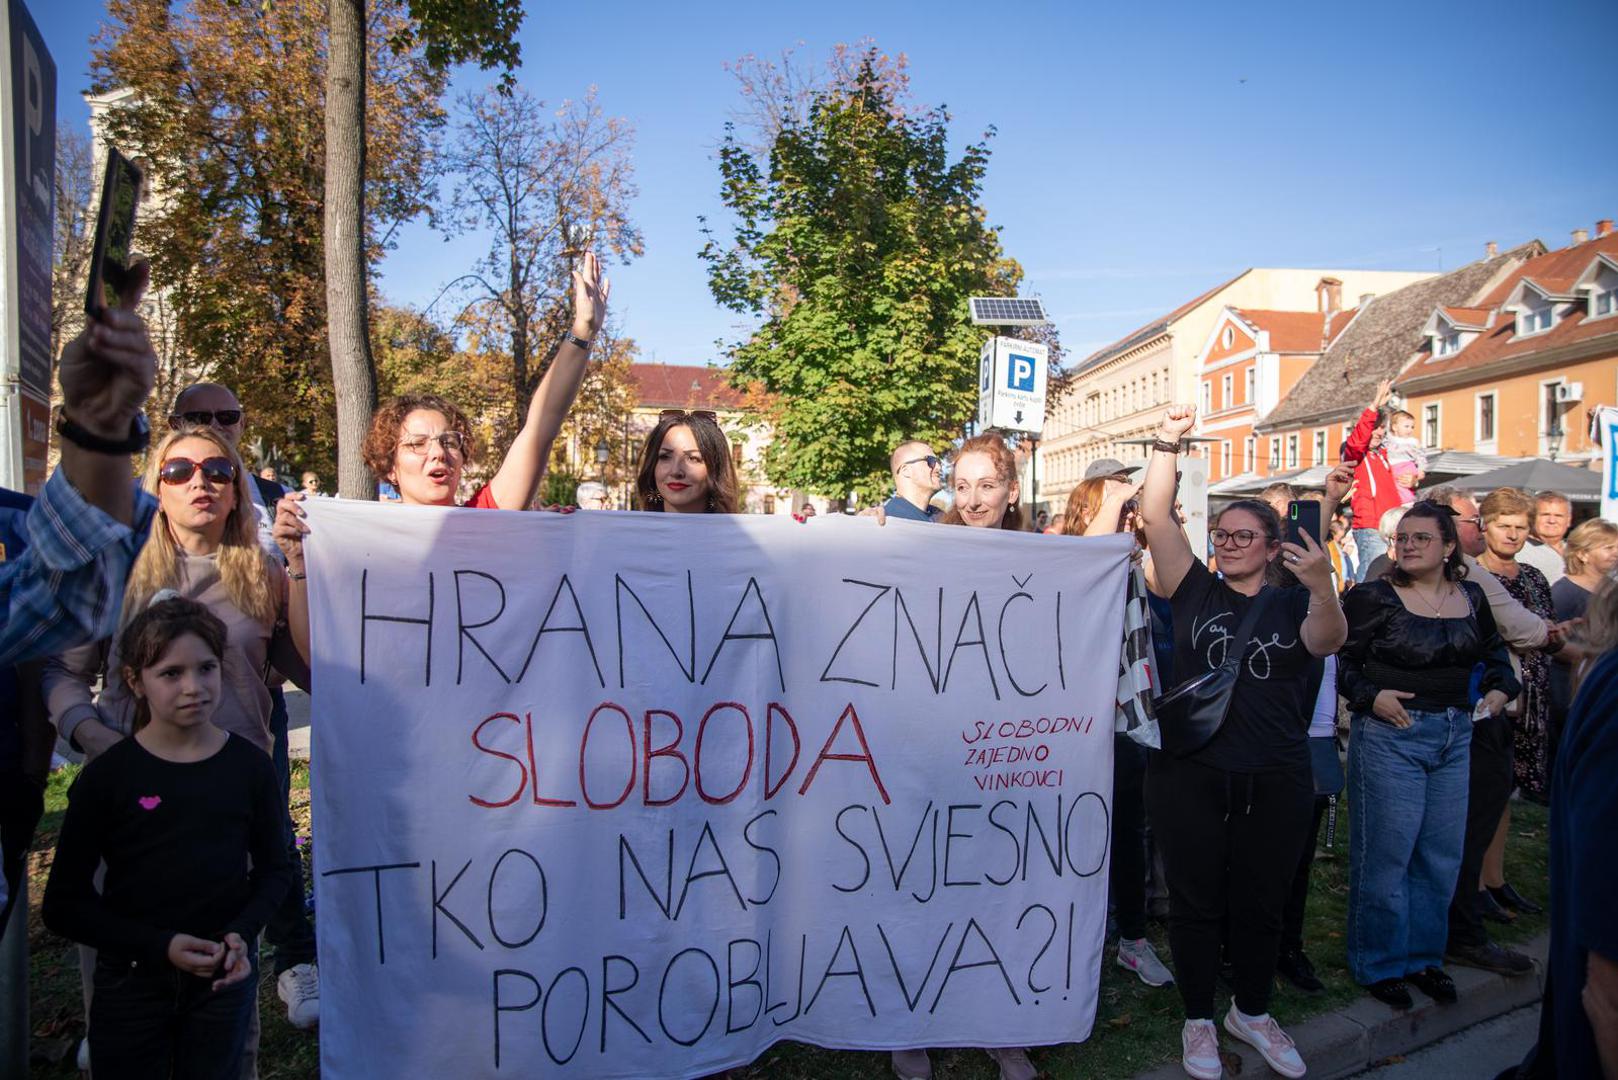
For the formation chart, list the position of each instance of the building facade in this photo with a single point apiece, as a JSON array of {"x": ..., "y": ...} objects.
[{"x": 1112, "y": 399}]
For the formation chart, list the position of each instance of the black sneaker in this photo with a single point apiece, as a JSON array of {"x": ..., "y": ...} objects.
[
  {"x": 1491, "y": 957},
  {"x": 1491, "y": 909},
  {"x": 1508, "y": 897},
  {"x": 1435, "y": 983},
  {"x": 1392, "y": 992},
  {"x": 1293, "y": 966}
]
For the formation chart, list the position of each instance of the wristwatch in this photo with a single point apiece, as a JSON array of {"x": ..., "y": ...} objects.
[
  {"x": 140, "y": 436},
  {"x": 582, "y": 342}
]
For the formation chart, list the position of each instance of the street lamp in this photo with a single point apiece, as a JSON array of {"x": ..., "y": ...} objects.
[
  {"x": 603, "y": 452},
  {"x": 1553, "y": 438}
]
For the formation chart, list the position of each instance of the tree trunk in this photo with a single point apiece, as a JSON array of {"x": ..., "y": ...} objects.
[{"x": 352, "y": 369}]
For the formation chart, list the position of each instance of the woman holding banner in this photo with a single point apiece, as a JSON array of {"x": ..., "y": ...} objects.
[
  {"x": 686, "y": 467},
  {"x": 986, "y": 494},
  {"x": 1231, "y": 815}
]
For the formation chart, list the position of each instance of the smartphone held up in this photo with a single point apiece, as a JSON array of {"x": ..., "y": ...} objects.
[{"x": 111, "y": 256}]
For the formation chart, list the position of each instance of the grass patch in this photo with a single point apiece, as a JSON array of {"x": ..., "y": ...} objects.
[{"x": 1136, "y": 1028}]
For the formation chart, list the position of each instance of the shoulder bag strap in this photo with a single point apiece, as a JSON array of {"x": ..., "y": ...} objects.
[{"x": 1244, "y": 630}]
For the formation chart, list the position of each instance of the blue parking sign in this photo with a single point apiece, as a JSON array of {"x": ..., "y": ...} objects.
[{"x": 1020, "y": 372}]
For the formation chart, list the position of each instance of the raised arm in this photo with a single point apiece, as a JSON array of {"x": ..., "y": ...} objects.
[
  {"x": 514, "y": 485},
  {"x": 1171, "y": 551}
]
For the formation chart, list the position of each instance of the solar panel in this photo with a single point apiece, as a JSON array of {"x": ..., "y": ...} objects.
[{"x": 1007, "y": 311}]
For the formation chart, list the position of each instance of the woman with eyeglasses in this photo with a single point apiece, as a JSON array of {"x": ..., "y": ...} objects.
[
  {"x": 1232, "y": 816},
  {"x": 204, "y": 547},
  {"x": 1406, "y": 671},
  {"x": 686, "y": 466}
]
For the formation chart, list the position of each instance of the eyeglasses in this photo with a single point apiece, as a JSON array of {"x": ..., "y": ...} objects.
[
  {"x": 932, "y": 461},
  {"x": 452, "y": 442},
  {"x": 215, "y": 470},
  {"x": 204, "y": 418},
  {"x": 1475, "y": 522},
  {"x": 1240, "y": 538},
  {"x": 1415, "y": 540},
  {"x": 694, "y": 414}
]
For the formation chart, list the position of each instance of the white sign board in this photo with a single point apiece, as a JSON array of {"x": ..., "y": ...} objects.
[
  {"x": 638, "y": 795},
  {"x": 1011, "y": 385}
]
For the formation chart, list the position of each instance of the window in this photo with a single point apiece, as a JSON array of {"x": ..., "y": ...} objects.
[
  {"x": 1275, "y": 453},
  {"x": 1224, "y": 457},
  {"x": 1320, "y": 448},
  {"x": 1535, "y": 321},
  {"x": 1484, "y": 432},
  {"x": 1226, "y": 391},
  {"x": 1207, "y": 398},
  {"x": 1155, "y": 398},
  {"x": 1429, "y": 424},
  {"x": 1450, "y": 342},
  {"x": 1551, "y": 418},
  {"x": 1247, "y": 385},
  {"x": 1292, "y": 451},
  {"x": 1227, "y": 337},
  {"x": 1249, "y": 454},
  {"x": 1607, "y": 302}
]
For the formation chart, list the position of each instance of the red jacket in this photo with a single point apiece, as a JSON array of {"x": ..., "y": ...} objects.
[{"x": 1375, "y": 492}]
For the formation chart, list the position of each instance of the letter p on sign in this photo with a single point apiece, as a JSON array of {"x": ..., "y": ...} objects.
[{"x": 1020, "y": 373}]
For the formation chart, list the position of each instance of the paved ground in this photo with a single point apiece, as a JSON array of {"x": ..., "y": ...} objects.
[
  {"x": 1480, "y": 1051},
  {"x": 297, "y": 722}
]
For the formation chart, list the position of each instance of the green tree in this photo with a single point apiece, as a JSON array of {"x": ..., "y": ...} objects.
[{"x": 856, "y": 244}]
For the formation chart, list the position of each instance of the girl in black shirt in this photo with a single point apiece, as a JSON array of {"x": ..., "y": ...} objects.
[
  {"x": 1232, "y": 818},
  {"x": 175, "y": 813}
]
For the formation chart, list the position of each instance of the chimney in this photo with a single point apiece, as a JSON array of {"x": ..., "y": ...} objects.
[
  {"x": 1329, "y": 295},
  {"x": 1366, "y": 298},
  {"x": 1604, "y": 227},
  {"x": 1491, "y": 249},
  {"x": 1580, "y": 235}
]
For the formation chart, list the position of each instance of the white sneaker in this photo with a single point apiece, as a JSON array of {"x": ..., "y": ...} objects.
[
  {"x": 1199, "y": 1050},
  {"x": 1139, "y": 956},
  {"x": 1263, "y": 1034},
  {"x": 299, "y": 987},
  {"x": 83, "y": 1059},
  {"x": 912, "y": 1065},
  {"x": 1014, "y": 1063}
]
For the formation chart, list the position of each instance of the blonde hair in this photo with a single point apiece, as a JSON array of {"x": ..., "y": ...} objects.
[
  {"x": 1585, "y": 538},
  {"x": 245, "y": 569},
  {"x": 1504, "y": 502}
]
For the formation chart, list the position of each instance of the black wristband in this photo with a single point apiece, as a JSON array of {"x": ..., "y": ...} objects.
[
  {"x": 140, "y": 436},
  {"x": 1166, "y": 447},
  {"x": 572, "y": 338}
]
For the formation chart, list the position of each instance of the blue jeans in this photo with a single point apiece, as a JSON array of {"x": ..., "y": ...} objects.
[
  {"x": 1370, "y": 545},
  {"x": 1407, "y": 790}
]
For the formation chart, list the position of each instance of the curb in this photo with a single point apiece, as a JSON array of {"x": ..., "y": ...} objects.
[{"x": 1366, "y": 1032}]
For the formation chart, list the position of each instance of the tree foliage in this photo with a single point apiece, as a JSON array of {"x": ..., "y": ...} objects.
[
  {"x": 856, "y": 243},
  {"x": 226, "y": 115},
  {"x": 542, "y": 184}
]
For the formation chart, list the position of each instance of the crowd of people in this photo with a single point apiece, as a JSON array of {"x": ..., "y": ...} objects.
[{"x": 1469, "y": 651}]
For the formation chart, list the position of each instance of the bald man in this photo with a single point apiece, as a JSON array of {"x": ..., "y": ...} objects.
[
  {"x": 209, "y": 404},
  {"x": 917, "y": 476}
]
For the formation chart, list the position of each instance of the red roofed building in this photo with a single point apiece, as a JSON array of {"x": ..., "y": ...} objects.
[
  {"x": 1517, "y": 373},
  {"x": 1252, "y": 358}
]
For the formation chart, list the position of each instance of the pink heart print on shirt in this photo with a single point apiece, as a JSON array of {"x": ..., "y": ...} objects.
[{"x": 149, "y": 802}]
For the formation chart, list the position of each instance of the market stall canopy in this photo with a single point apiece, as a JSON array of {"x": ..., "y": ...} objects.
[{"x": 1537, "y": 474}]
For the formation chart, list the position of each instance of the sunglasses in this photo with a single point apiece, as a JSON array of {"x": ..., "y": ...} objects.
[
  {"x": 203, "y": 418},
  {"x": 932, "y": 461},
  {"x": 694, "y": 414},
  {"x": 215, "y": 470}
]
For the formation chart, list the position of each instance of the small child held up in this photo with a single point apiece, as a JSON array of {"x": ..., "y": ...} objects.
[
  {"x": 176, "y": 812},
  {"x": 1406, "y": 458}
]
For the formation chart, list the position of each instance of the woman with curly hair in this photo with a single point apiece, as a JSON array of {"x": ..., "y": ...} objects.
[{"x": 686, "y": 467}]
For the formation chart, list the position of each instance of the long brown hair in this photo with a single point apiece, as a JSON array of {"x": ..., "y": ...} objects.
[
  {"x": 715, "y": 450},
  {"x": 245, "y": 569},
  {"x": 150, "y": 633},
  {"x": 1005, "y": 466}
]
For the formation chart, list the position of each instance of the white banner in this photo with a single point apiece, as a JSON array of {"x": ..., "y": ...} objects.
[
  {"x": 1605, "y": 423},
  {"x": 634, "y": 795}
]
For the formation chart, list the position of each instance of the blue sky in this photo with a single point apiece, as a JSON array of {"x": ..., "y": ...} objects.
[{"x": 1145, "y": 152}]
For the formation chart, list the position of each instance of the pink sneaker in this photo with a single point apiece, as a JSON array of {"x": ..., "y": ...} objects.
[
  {"x": 1199, "y": 1050},
  {"x": 1263, "y": 1034}
]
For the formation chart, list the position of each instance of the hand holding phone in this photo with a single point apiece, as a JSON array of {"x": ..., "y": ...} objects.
[
  {"x": 110, "y": 278},
  {"x": 1303, "y": 516}
]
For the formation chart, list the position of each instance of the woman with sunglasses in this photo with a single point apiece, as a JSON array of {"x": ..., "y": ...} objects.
[
  {"x": 1231, "y": 817},
  {"x": 686, "y": 466},
  {"x": 203, "y": 547},
  {"x": 1406, "y": 671},
  {"x": 986, "y": 494}
]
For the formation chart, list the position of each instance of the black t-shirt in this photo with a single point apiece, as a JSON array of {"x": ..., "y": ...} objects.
[
  {"x": 176, "y": 839},
  {"x": 1570, "y": 601},
  {"x": 1267, "y": 727}
]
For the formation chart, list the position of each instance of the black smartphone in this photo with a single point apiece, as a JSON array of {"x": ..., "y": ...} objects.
[
  {"x": 1303, "y": 516},
  {"x": 115, "y": 228}
]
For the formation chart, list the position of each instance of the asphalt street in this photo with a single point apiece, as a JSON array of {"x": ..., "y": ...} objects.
[{"x": 1480, "y": 1051}]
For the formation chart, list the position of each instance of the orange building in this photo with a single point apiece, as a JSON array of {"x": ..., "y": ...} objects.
[
  {"x": 1518, "y": 372},
  {"x": 1251, "y": 360}
]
